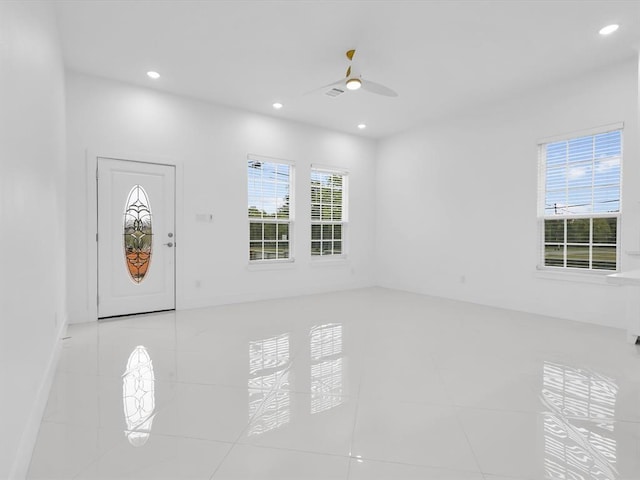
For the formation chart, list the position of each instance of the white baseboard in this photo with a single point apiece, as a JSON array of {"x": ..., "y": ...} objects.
[
  {"x": 191, "y": 303},
  {"x": 20, "y": 466},
  {"x": 80, "y": 316},
  {"x": 539, "y": 309}
]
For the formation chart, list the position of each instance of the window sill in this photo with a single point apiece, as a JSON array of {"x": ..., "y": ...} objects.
[
  {"x": 630, "y": 277},
  {"x": 596, "y": 278},
  {"x": 271, "y": 265},
  {"x": 331, "y": 261}
]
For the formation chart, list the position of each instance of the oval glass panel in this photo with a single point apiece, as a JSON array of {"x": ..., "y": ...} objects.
[{"x": 138, "y": 234}]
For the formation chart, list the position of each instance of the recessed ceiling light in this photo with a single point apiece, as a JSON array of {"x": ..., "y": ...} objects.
[
  {"x": 362, "y": 126},
  {"x": 609, "y": 29},
  {"x": 354, "y": 83},
  {"x": 278, "y": 105},
  {"x": 154, "y": 75}
]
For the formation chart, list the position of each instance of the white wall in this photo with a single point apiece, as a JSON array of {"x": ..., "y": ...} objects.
[
  {"x": 457, "y": 200},
  {"x": 32, "y": 244},
  {"x": 209, "y": 144}
]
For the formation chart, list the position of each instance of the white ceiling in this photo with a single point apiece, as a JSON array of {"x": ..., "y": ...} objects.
[{"x": 440, "y": 56}]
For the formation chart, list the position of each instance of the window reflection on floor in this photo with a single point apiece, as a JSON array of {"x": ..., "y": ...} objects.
[
  {"x": 578, "y": 431},
  {"x": 138, "y": 396},
  {"x": 269, "y": 396},
  {"x": 327, "y": 367}
]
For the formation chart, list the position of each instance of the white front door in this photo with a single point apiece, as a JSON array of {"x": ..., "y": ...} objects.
[{"x": 136, "y": 237}]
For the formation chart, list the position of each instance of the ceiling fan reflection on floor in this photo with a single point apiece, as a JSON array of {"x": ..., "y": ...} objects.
[{"x": 353, "y": 81}]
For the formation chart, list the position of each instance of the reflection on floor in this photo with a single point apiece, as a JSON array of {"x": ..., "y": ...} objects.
[
  {"x": 364, "y": 384},
  {"x": 572, "y": 450},
  {"x": 268, "y": 385},
  {"x": 325, "y": 343},
  {"x": 138, "y": 396}
]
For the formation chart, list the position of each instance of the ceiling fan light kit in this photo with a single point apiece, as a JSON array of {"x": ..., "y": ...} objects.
[{"x": 354, "y": 84}]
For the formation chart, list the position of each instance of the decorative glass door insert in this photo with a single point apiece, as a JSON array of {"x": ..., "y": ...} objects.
[{"x": 138, "y": 234}]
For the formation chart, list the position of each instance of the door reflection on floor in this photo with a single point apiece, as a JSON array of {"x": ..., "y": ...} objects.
[{"x": 138, "y": 396}]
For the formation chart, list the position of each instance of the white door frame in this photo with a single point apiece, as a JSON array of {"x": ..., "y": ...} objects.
[{"x": 91, "y": 164}]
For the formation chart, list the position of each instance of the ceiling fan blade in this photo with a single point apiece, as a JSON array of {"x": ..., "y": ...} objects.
[
  {"x": 374, "y": 87},
  {"x": 333, "y": 84}
]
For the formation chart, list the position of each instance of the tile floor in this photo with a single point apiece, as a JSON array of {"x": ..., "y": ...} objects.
[{"x": 358, "y": 385}]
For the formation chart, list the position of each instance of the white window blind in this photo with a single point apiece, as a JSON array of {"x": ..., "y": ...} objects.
[
  {"x": 581, "y": 201},
  {"x": 328, "y": 212},
  {"x": 269, "y": 209}
]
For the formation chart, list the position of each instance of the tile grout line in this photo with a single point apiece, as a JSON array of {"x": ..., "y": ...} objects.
[
  {"x": 222, "y": 461},
  {"x": 353, "y": 429},
  {"x": 458, "y": 419},
  {"x": 242, "y": 432}
]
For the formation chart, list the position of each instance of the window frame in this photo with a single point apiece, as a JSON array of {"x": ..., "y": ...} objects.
[
  {"x": 344, "y": 222},
  {"x": 542, "y": 190},
  {"x": 276, "y": 221}
]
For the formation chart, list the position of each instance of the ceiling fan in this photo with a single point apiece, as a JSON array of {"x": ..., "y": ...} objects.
[{"x": 353, "y": 81}]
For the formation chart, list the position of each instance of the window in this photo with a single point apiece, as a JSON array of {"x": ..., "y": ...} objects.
[
  {"x": 580, "y": 207},
  {"x": 270, "y": 212},
  {"x": 328, "y": 212}
]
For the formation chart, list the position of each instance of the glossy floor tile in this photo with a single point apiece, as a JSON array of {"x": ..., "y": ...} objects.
[
  {"x": 375, "y": 470},
  {"x": 364, "y": 384}
]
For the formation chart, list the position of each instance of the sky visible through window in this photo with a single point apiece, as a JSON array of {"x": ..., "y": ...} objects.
[
  {"x": 583, "y": 175},
  {"x": 268, "y": 187}
]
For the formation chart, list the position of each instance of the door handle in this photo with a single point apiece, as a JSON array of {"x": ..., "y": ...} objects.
[{"x": 170, "y": 244}]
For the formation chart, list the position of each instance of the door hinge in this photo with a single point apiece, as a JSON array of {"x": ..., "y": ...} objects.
[{"x": 96, "y": 237}]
